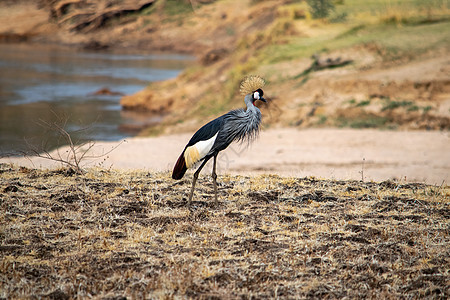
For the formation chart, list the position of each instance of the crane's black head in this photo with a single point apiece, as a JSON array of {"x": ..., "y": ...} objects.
[{"x": 258, "y": 95}]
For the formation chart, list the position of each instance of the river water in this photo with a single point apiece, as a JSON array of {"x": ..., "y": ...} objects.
[{"x": 43, "y": 86}]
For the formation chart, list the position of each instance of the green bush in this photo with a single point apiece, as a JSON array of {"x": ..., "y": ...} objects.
[{"x": 320, "y": 8}]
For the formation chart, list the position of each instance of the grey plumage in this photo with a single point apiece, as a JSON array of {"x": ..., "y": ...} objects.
[{"x": 237, "y": 125}]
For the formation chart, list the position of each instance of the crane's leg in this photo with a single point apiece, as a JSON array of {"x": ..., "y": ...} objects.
[
  {"x": 214, "y": 176},
  {"x": 194, "y": 180}
]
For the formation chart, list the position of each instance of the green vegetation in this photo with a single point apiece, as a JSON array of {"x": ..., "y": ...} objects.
[
  {"x": 363, "y": 103},
  {"x": 322, "y": 119},
  {"x": 425, "y": 27},
  {"x": 389, "y": 105},
  {"x": 169, "y": 8},
  {"x": 173, "y": 10},
  {"x": 176, "y": 7},
  {"x": 427, "y": 108},
  {"x": 320, "y": 8},
  {"x": 383, "y": 113},
  {"x": 392, "y": 42},
  {"x": 364, "y": 120}
]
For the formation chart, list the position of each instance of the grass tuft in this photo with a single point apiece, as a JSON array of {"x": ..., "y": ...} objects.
[{"x": 111, "y": 234}]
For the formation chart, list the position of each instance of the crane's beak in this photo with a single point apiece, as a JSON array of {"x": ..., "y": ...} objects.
[{"x": 262, "y": 99}]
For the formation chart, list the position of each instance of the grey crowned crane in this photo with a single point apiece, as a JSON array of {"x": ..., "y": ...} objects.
[{"x": 215, "y": 136}]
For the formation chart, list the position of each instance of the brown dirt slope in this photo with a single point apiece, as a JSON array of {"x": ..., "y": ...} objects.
[
  {"x": 398, "y": 77},
  {"x": 194, "y": 27},
  {"x": 379, "y": 88},
  {"x": 109, "y": 234}
]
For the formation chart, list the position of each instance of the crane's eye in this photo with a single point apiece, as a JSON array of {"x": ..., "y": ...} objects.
[{"x": 256, "y": 95}]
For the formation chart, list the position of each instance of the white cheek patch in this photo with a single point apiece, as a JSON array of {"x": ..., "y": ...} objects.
[{"x": 256, "y": 95}]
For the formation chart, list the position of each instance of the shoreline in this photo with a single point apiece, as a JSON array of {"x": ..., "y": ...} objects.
[{"x": 341, "y": 154}]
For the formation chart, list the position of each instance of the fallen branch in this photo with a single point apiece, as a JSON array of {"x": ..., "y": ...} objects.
[
  {"x": 321, "y": 64},
  {"x": 74, "y": 156}
]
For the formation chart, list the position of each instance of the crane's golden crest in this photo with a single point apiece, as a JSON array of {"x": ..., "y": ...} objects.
[{"x": 251, "y": 83}]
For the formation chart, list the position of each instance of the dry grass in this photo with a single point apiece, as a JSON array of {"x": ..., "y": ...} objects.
[{"x": 109, "y": 234}]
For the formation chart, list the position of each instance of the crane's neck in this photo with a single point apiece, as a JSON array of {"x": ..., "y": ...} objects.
[
  {"x": 251, "y": 108},
  {"x": 252, "y": 116},
  {"x": 240, "y": 124}
]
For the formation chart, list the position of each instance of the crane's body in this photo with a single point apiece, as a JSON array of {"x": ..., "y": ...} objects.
[{"x": 217, "y": 135}]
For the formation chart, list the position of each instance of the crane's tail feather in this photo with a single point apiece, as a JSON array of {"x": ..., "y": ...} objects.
[{"x": 180, "y": 167}]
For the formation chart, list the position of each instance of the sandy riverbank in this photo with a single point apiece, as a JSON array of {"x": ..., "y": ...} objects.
[{"x": 417, "y": 156}]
